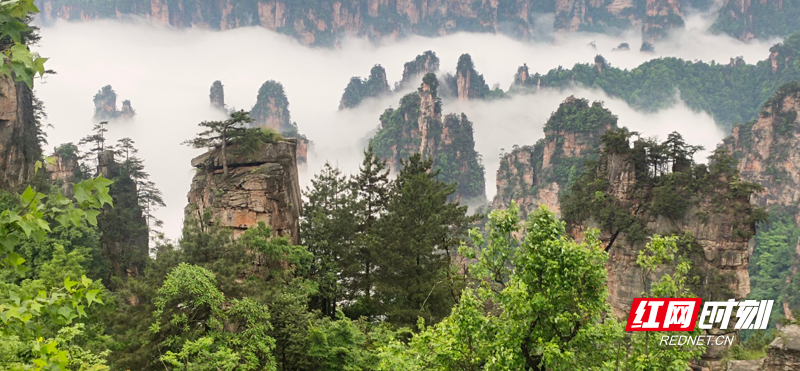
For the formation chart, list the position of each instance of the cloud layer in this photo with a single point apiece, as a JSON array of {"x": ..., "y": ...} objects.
[{"x": 167, "y": 73}]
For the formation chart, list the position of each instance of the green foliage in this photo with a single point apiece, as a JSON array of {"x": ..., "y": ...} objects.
[
  {"x": 272, "y": 102},
  {"x": 39, "y": 315},
  {"x": 536, "y": 303},
  {"x": 666, "y": 184},
  {"x": 763, "y": 20},
  {"x": 770, "y": 266},
  {"x": 193, "y": 318},
  {"x": 731, "y": 93},
  {"x": 357, "y": 89},
  {"x": 420, "y": 233},
  {"x": 18, "y": 61},
  {"x": 576, "y": 116}
]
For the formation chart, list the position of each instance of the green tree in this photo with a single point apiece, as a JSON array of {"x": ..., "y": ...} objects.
[
  {"x": 328, "y": 230},
  {"x": 420, "y": 234},
  {"x": 38, "y": 315},
  {"x": 220, "y": 133}
]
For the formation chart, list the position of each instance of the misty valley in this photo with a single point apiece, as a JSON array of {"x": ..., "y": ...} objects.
[{"x": 380, "y": 185}]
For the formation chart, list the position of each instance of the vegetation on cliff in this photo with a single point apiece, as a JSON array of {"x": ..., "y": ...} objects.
[
  {"x": 105, "y": 105},
  {"x": 575, "y": 125},
  {"x": 758, "y": 19},
  {"x": 629, "y": 189},
  {"x": 767, "y": 151},
  {"x": 417, "y": 126},
  {"x": 731, "y": 92},
  {"x": 358, "y": 89},
  {"x": 467, "y": 83}
]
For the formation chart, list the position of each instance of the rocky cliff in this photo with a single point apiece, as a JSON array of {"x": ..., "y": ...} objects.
[
  {"x": 768, "y": 150},
  {"x": 105, "y": 105},
  {"x": 417, "y": 126},
  {"x": 272, "y": 111},
  {"x": 783, "y": 354},
  {"x": 262, "y": 186},
  {"x": 359, "y": 89},
  {"x": 19, "y": 131},
  {"x": 326, "y": 22},
  {"x": 467, "y": 83},
  {"x": 216, "y": 95},
  {"x": 631, "y": 193},
  {"x": 65, "y": 169},
  {"x": 539, "y": 174}
]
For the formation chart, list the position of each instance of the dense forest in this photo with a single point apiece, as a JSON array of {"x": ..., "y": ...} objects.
[{"x": 731, "y": 92}]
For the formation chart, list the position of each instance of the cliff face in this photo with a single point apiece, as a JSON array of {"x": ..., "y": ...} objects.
[
  {"x": 272, "y": 111},
  {"x": 217, "y": 95},
  {"x": 417, "y": 126},
  {"x": 768, "y": 151},
  {"x": 468, "y": 83},
  {"x": 326, "y": 22},
  {"x": 105, "y": 105},
  {"x": 655, "y": 188},
  {"x": 536, "y": 175},
  {"x": 359, "y": 89},
  {"x": 261, "y": 186},
  {"x": 19, "y": 145}
]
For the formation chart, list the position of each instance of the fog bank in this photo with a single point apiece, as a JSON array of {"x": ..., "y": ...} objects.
[{"x": 167, "y": 73}]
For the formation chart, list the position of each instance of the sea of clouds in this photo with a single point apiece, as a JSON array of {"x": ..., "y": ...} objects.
[{"x": 167, "y": 72}]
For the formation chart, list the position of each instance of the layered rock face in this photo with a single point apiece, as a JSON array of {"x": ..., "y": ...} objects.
[
  {"x": 536, "y": 175},
  {"x": 417, "y": 126},
  {"x": 783, "y": 354},
  {"x": 326, "y": 22},
  {"x": 272, "y": 111},
  {"x": 262, "y": 186},
  {"x": 216, "y": 95},
  {"x": 654, "y": 188},
  {"x": 467, "y": 83},
  {"x": 64, "y": 167},
  {"x": 768, "y": 151},
  {"x": 105, "y": 105},
  {"x": 19, "y": 146},
  {"x": 359, "y": 89}
]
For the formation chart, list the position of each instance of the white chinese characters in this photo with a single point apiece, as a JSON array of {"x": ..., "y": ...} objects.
[{"x": 752, "y": 314}]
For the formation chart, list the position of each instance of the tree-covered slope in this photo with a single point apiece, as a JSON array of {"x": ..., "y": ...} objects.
[
  {"x": 758, "y": 19},
  {"x": 359, "y": 89},
  {"x": 417, "y": 126},
  {"x": 536, "y": 175},
  {"x": 731, "y": 92}
]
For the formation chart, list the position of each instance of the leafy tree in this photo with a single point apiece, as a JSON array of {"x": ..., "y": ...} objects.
[
  {"x": 193, "y": 318},
  {"x": 537, "y": 302},
  {"x": 18, "y": 61},
  {"x": 38, "y": 315}
]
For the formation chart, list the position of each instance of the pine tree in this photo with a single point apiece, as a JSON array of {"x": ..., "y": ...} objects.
[
  {"x": 420, "y": 234},
  {"x": 219, "y": 133},
  {"x": 372, "y": 187},
  {"x": 328, "y": 229}
]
